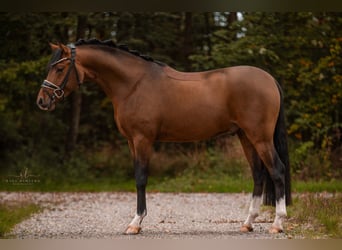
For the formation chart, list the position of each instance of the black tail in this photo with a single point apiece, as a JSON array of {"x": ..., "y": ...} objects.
[{"x": 280, "y": 143}]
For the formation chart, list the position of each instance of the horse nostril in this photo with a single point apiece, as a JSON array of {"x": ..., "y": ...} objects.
[{"x": 40, "y": 103}]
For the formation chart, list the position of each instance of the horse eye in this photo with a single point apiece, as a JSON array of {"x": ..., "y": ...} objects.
[{"x": 59, "y": 69}]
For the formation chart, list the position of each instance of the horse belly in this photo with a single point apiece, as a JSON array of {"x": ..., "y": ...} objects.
[{"x": 194, "y": 124}]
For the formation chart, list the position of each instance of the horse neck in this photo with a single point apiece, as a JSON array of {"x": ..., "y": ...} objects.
[{"x": 116, "y": 73}]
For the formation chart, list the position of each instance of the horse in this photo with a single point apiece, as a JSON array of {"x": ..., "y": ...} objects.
[{"x": 154, "y": 102}]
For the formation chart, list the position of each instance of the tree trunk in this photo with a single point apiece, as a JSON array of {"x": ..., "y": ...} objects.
[
  {"x": 187, "y": 47},
  {"x": 76, "y": 96},
  {"x": 208, "y": 32},
  {"x": 231, "y": 19}
]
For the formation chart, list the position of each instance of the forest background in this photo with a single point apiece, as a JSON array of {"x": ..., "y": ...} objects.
[{"x": 78, "y": 145}]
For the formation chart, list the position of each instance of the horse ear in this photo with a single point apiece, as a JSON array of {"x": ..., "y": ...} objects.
[
  {"x": 63, "y": 48},
  {"x": 54, "y": 46}
]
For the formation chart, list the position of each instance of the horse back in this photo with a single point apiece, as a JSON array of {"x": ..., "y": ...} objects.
[{"x": 196, "y": 106}]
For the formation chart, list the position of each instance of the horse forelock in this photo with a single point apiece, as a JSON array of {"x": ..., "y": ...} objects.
[{"x": 55, "y": 57}]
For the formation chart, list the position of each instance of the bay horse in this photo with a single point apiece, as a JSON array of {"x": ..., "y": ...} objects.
[{"x": 154, "y": 102}]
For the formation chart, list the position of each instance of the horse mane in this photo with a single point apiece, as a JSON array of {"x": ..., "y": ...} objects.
[{"x": 111, "y": 44}]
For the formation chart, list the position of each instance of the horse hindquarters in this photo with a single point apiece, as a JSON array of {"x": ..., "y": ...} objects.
[{"x": 273, "y": 173}]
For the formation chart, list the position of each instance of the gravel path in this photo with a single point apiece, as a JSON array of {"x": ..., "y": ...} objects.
[{"x": 106, "y": 215}]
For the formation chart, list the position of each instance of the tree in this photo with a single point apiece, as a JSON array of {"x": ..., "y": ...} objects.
[{"x": 82, "y": 22}]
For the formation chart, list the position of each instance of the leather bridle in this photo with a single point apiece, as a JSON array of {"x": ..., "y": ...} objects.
[{"x": 58, "y": 90}]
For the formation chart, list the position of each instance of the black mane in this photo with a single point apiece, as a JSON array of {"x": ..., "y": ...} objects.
[{"x": 110, "y": 43}]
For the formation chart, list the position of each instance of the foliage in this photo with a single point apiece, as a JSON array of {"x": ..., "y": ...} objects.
[{"x": 309, "y": 163}]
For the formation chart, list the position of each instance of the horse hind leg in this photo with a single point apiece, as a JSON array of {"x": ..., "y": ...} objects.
[
  {"x": 276, "y": 170},
  {"x": 258, "y": 169}
]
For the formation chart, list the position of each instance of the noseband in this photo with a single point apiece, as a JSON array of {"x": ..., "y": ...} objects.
[{"x": 58, "y": 91}]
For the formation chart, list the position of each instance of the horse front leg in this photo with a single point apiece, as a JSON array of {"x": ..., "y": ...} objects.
[
  {"x": 141, "y": 181},
  {"x": 141, "y": 149}
]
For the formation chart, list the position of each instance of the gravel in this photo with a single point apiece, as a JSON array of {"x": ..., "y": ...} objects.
[{"x": 106, "y": 215}]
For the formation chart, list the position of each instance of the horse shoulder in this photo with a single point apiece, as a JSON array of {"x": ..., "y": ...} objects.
[{"x": 138, "y": 114}]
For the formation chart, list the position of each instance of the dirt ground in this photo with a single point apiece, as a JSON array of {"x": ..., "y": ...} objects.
[{"x": 170, "y": 216}]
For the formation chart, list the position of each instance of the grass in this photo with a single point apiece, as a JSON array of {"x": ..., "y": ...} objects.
[
  {"x": 312, "y": 186},
  {"x": 13, "y": 214},
  {"x": 182, "y": 183},
  {"x": 224, "y": 184},
  {"x": 316, "y": 216}
]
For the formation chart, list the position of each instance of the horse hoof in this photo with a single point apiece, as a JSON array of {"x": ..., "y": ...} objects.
[
  {"x": 132, "y": 230},
  {"x": 275, "y": 230},
  {"x": 246, "y": 229}
]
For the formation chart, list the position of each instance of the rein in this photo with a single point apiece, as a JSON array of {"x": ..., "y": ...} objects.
[{"x": 58, "y": 90}]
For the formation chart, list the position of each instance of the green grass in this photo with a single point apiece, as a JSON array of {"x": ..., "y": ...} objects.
[
  {"x": 13, "y": 214},
  {"x": 182, "y": 183},
  {"x": 316, "y": 216},
  {"x": 99, "y": 185},
  {"x": 227, "y": 184},
  {"x": 317, "y": 186},
  {"x": 222, "y": 184}
]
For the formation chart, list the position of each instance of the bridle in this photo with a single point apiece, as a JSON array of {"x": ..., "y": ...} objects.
[{"x": 58, "y": 91}]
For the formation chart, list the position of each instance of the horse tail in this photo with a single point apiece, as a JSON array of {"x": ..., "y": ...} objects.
[{"x": 281, "y": 146}]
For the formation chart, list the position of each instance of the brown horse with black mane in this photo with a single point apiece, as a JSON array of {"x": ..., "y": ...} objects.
[{"x": 153, "y": 102}]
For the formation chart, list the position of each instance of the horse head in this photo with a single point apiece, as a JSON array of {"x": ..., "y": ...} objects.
[{"x": 62, "y": 79}]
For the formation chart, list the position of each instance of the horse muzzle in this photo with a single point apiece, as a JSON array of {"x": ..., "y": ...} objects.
[{"x": 46, "y": 104}]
